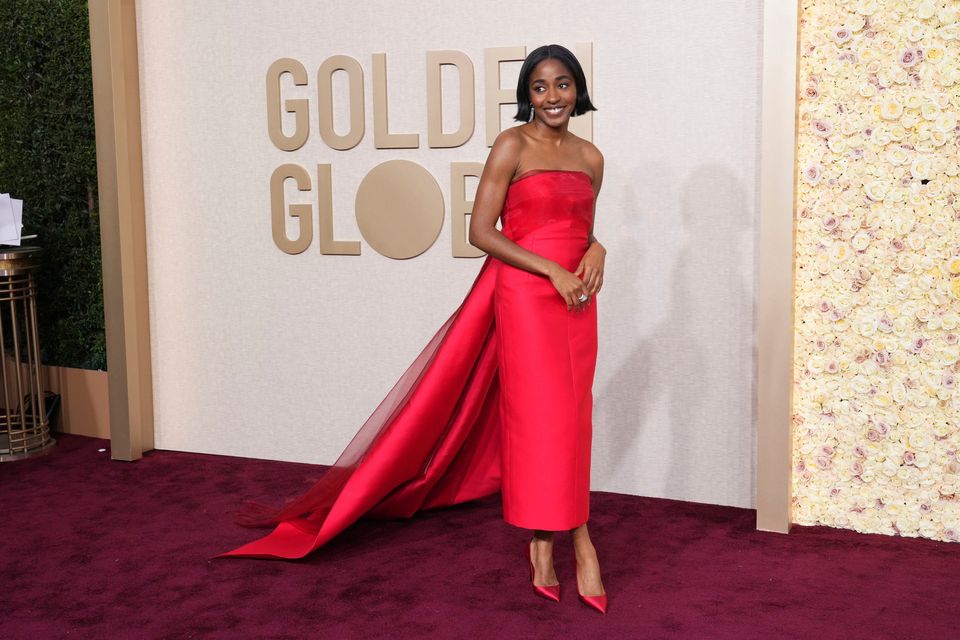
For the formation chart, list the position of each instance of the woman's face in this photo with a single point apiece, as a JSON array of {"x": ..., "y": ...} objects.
[{"x": 553, "y": 94}]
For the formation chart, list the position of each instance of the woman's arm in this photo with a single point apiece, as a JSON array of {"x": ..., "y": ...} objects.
[{"x": 499, "y": 170}]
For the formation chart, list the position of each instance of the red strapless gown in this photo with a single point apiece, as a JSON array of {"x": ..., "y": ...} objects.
[{"x": 499, "y": 399}]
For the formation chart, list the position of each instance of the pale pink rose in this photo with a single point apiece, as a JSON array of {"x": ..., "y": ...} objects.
[
  {"x": 857, "y": 468},
  {"x": 949, "y": 381},
  {"x": 951, "y": 534},
  {"x": 821, "y": 345},
  {"x": 910, "y": 57},
  {"x": 832, "y": 367},
  {"x": 825, "y": 306},
  {"x": 873, "y": 435},
  {"x": 859, "y": 451},
  {"x": 827, "y": 450},
  {"x": 882, "y": 358},
  {"x": 829, "y": 223},
  {"x": 821, "y": 128},
  {"x": 801, "y": 466},
  {"x": 810, "y": 92},
  {"x": 897, "y": 244},
  {"x": 917, "y": 345},
  {"x": 909, "y": 457},
  {"x": 925, "y": 507},
  {"x": 841, "y": 35},
  {"x": 953, "y": 466},
  {"x": 813, "y": 173},
  {"x": 824, "y": 462},
  {"x": 834, "y": 492},
  {"x": 836, "y": 315},
  {"x": 883, "y": 428},
  {"x": 885, "y": 324},
  {"x": 950, "y": 338}
]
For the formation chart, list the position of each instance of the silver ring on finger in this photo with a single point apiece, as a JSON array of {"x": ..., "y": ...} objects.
[{"x": 583, "y": 297}]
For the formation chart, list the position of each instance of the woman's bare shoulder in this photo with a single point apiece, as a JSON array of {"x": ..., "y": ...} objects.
[
  {"x": 590, "y": 156},
  {"x": 504, "y": 157}
]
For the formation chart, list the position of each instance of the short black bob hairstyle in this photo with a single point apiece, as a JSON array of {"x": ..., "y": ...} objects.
[{"x": 538, "y": 55}]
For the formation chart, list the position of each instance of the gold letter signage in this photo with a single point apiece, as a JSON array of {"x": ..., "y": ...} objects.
[{"x": 399, "y": 205}]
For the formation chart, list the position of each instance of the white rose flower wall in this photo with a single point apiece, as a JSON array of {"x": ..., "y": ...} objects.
[{"x": 877, "y": 315}]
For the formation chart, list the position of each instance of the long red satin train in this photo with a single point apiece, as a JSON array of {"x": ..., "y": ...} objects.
[{"x": 432, "y": 442}]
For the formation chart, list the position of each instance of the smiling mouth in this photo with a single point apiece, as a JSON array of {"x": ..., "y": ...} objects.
[{"x": 554, "y": 110}]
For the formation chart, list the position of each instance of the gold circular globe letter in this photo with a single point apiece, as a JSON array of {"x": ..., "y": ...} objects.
[{"x": 399, "y": 209}]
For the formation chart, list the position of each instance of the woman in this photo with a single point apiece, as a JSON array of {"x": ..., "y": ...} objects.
[
  {"x": 544, "y": 181},
  {"x": 500, "y": 399}
]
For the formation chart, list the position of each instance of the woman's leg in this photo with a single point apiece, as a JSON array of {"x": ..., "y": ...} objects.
[
  {"x": 544, "y": 574},
  {"x": 588, "y": 568}
]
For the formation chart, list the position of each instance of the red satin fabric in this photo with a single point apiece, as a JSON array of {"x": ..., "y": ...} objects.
[
  {"x": 547, "y": 357},
  {"x": 502, "y": 389}
]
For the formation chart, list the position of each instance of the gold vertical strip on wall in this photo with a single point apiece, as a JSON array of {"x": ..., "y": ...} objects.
[
  {"x": 775, "y": 295},
  {"x": 116, "y": 96}
]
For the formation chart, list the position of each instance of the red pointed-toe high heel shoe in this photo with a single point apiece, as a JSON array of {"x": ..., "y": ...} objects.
[
  {"x": 551, "y": 592},
  {"x": 598, "y": 603}
]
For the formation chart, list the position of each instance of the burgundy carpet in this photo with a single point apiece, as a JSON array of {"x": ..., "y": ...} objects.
[{"x": 91, "y": 548}]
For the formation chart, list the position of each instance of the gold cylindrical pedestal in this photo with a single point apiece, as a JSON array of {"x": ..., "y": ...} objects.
[{"x": 24, "y": 430}]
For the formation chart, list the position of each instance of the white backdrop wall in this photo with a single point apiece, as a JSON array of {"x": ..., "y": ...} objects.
[{"x": 263, "y": 354}]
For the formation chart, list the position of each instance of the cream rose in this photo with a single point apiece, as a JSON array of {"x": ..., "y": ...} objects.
[
  {"x": 839, "y": 253},
  {"x": 876, "y": 190},
  {"x": 836, "y": 144},
  {"x": 898, "y": 156},
  {"x": 933, "y": 54},
  {"x": 930, "y": 111},
  {"x": 881, "y": 136},
  {"x": 891, "y": 108},
  {"x": 860, "y": 241},
  {"x": 920, "y": 168},
  {"x": 926, "y": 9}
]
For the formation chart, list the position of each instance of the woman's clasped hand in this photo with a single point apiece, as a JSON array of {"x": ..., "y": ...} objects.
[{"x": 579, "y": 287}]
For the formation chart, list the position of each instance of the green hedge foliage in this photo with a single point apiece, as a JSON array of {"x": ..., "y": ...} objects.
[{"x": 48, "y": 159}]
